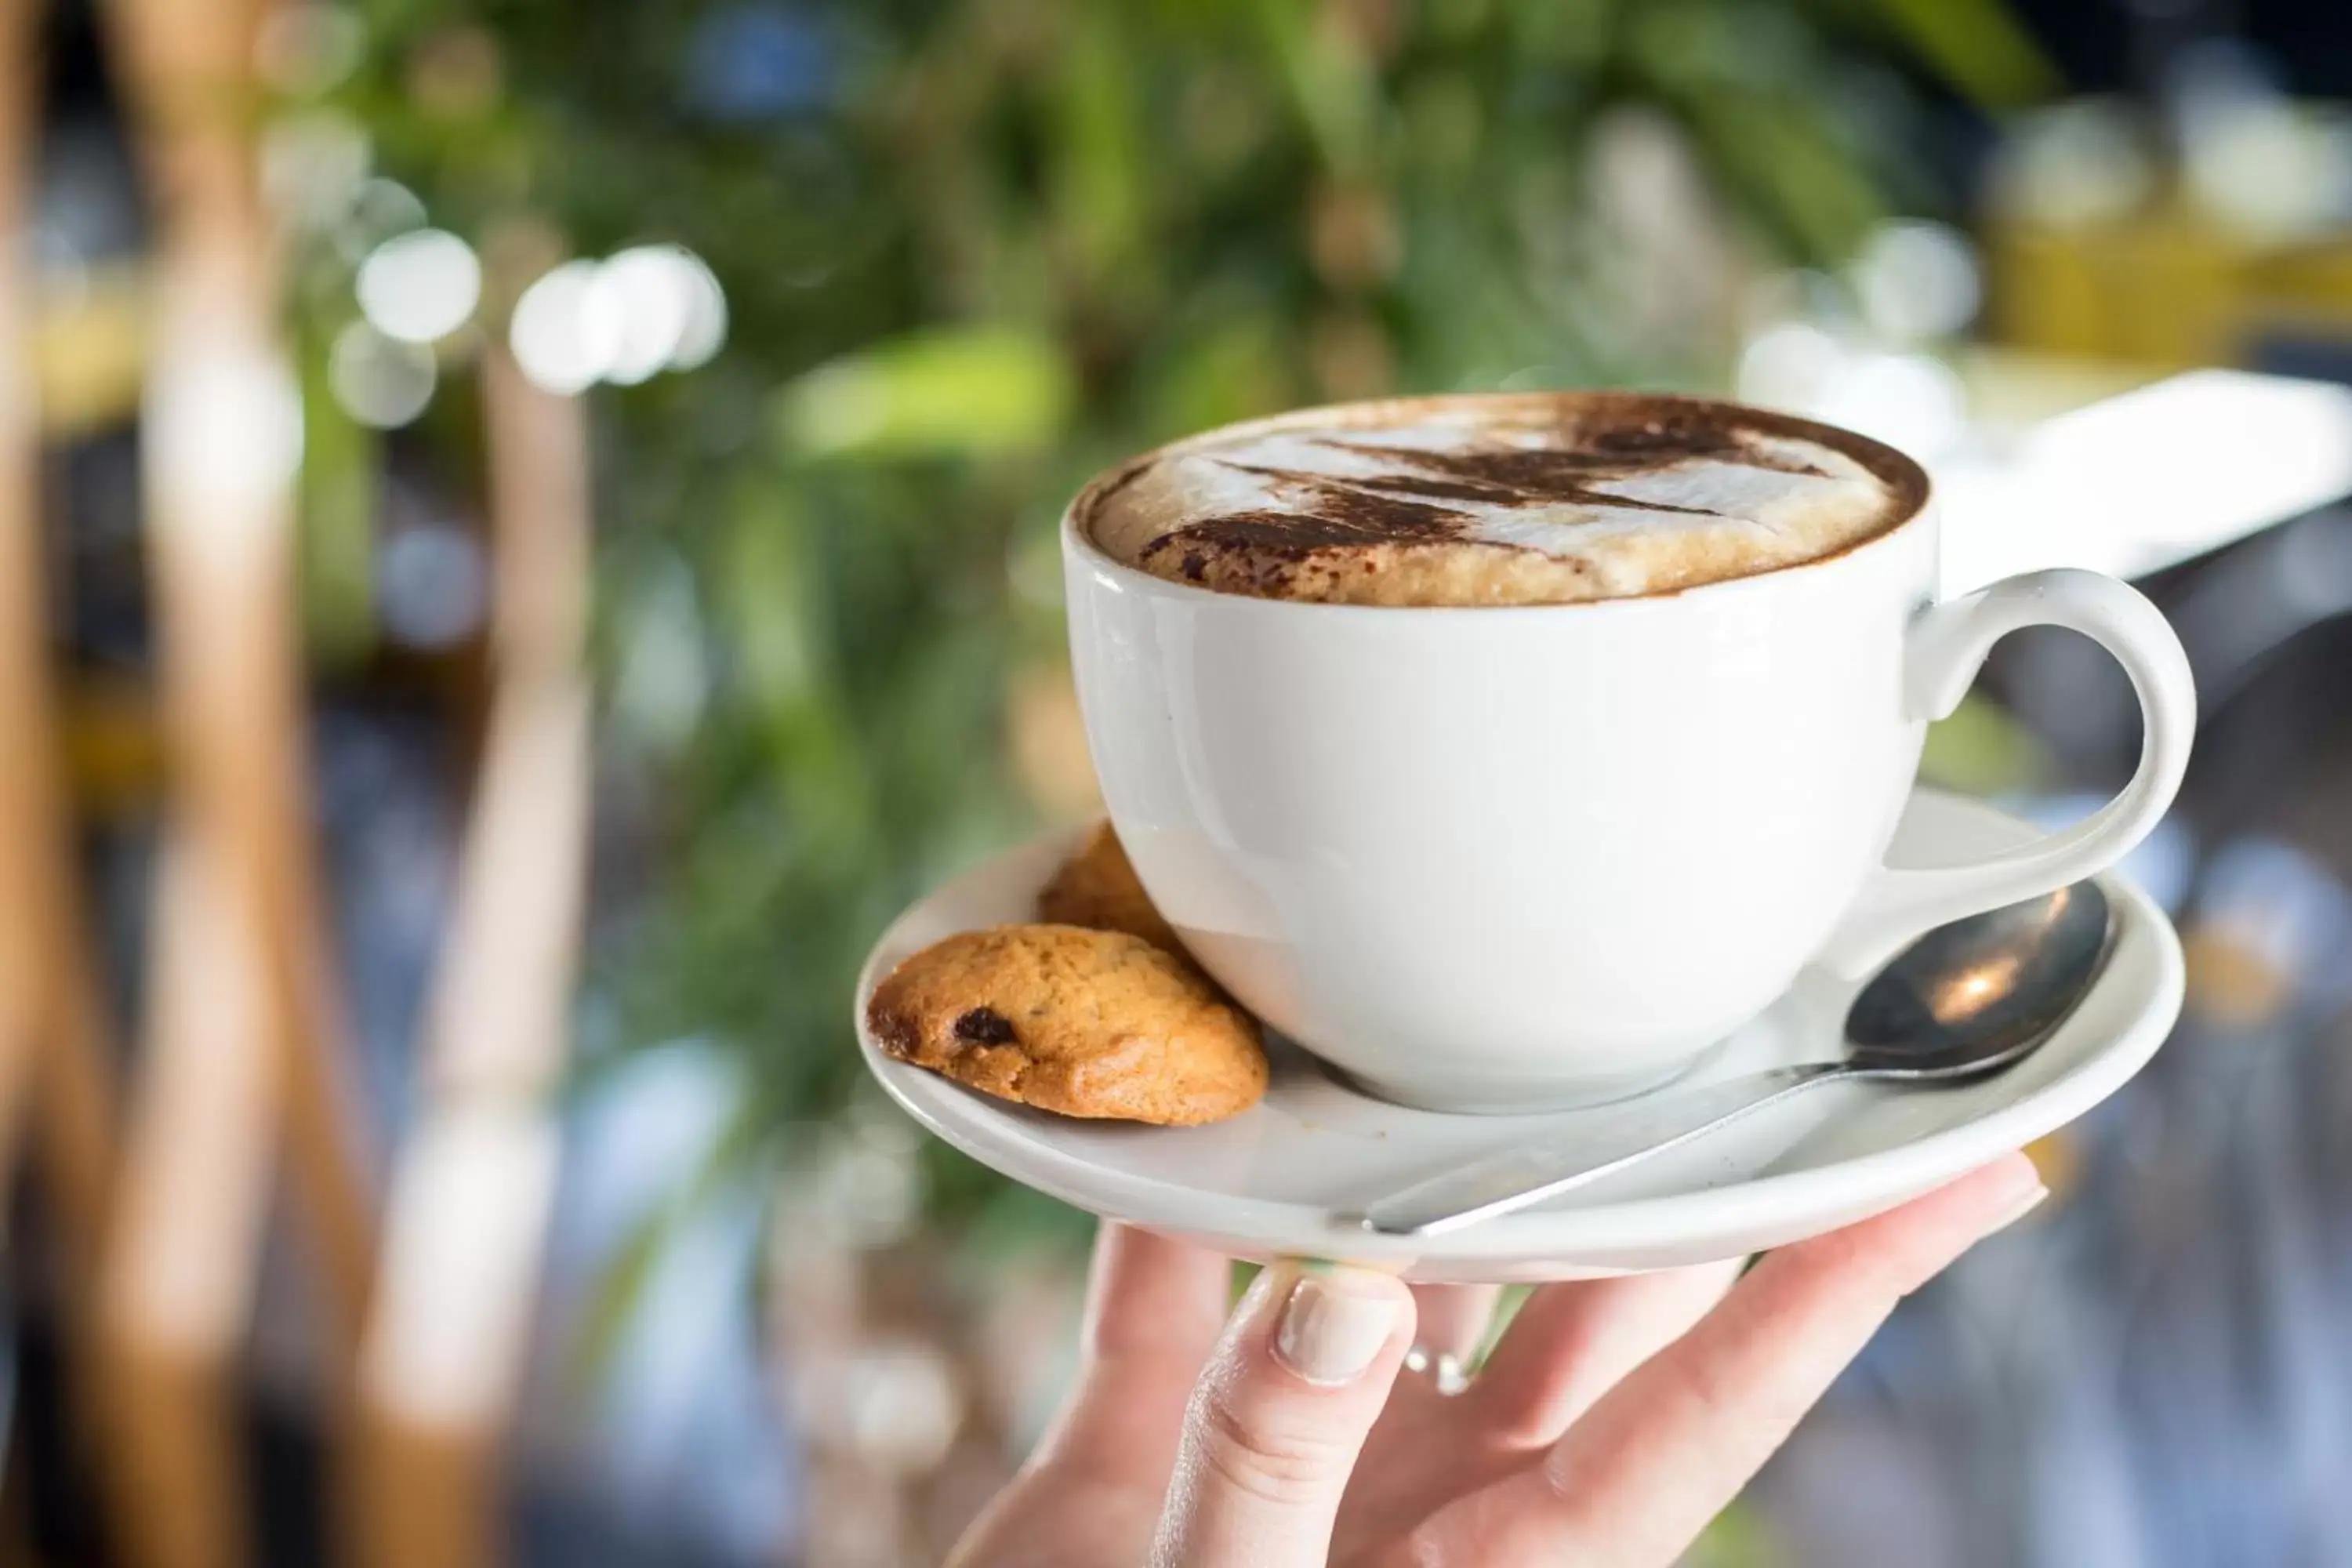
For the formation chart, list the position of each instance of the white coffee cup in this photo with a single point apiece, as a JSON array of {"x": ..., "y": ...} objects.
[{"x": 1500, "y": 858}]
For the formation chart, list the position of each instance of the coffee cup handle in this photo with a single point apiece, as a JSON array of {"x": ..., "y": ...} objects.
[{"x": 1946, "y": 647}]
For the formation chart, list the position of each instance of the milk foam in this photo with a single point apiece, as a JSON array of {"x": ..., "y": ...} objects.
[{"x": 1504, "y": 507}]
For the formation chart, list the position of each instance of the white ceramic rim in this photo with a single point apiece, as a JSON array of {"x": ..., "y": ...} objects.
[{"x": 2144, "y": 936}]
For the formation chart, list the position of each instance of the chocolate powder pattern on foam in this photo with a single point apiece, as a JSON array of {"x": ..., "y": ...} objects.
[
  {"x": 1336, "y": 510},
  {"x": 1343, "y": 514}
]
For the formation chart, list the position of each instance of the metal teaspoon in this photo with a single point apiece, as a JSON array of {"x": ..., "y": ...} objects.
[{"x": 1963, "y": 1001}]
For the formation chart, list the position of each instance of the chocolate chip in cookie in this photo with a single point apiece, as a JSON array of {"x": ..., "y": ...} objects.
[
  {"x": 1086, "y": 1023},
  {"x": 1097, "y": 887}
]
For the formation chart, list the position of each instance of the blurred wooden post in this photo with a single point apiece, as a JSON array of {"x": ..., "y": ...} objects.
[
  {"x": 448, "y": 1340},
  {"x": 56, "y": 1060},
  {"x": 194, "y": 1198},
  {"x": 221, "y": 437},
  {"x": 247, "y": 1047}
]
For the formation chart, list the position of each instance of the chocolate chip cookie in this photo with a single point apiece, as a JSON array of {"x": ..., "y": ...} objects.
[
  {"x": 1084, "y": 1023},
  {"x": 1097, "y": 887}
]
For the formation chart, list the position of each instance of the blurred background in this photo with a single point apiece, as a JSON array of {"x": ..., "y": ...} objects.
[{"x": 526, "y": 537}]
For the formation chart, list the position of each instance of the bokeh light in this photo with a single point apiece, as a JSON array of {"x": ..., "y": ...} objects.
[
  {"x": 704, "y": 331},
  {"x": 224, "y": 428},
  {"x": 307, "y": 49},
  {"x": 2276, "y": 172},
  {"x": 419, "y": 286},
  {"x": 1917, "y": 281},
  {"x": 378, "y": 210},
  {"x": 565, "y": 330},
  {"x": 650, "y": 291},
  {"x": 2079, "y": 163},
  {"x": 650, "y": 308},
  {"x": 1788, "y": 365},
  {"x": 312, "y": 166},
  {"x": 432, "y": 586},
  {"x": 1911, "y": 401},
  {"x": 380, "y": 381},
  {"x": 757, "y": 61}
]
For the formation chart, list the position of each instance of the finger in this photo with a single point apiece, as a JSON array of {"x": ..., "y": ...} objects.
[
  {"x": 1572, "y": 1342},
  {"x": 1451, "y": 1327},
  {"x": 1568, "y": 1344},
  {"x": 1154, "y": 1310},
  {"x": 1640, "y": 1476},
  {"x": 1151, "y": 1296},
  {"x": 1278, "y": 1419},
  {"x": 1453, "y": 1318},
  {"x": 1451, "y": 1323}
]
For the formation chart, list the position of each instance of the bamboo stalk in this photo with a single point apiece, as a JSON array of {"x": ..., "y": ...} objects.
[
  {"x": 249, "y": 1055},
  {"x": 222, "y": 438},
  {"x": 497, "y": 1020},
  {"x": 56, "y": 1055},
  {"x": 442, "y": 1366},
  {"x": 185, "y": 1247},
  {"x": 193, "y": 1201}
]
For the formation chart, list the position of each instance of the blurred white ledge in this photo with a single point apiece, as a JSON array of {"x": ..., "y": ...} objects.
[{"x": 2146, "y": 481}]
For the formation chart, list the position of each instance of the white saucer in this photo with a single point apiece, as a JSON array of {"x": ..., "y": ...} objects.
[{"x": 1268, "y": 1182}]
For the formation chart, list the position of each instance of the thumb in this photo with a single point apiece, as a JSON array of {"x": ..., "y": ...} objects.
[{"x": 1278, "y": 1417}]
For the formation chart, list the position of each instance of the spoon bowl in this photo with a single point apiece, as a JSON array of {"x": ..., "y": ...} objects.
[{"x": 1976, "y": 994}]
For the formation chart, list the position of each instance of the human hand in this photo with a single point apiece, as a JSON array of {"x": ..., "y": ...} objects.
[{"x": 1615, "y": 1418}]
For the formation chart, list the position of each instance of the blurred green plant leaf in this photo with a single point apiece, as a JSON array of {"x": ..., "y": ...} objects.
[
  {"x": 1977, "y": 46},
  {"x": 1982, "y": 749},
  {"x": 961, "y": 392},
  {"x": 1784, "y": 167},
  {"x": 768, "y": 600},
  {"x": 1231, "y": 370},
  {"x": 1333, "y": 87},
  {"x": 340, "y": 479},
  {"x": 1101, "y": 181}
]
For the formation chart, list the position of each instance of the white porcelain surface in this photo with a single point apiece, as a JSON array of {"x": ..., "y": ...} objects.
[
  {"x": 1499, "y": 859},
  {"x": 1267, "y": 1182}
]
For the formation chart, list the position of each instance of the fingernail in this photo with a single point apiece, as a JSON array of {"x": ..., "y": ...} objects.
[
  {"x": 2018, "y": 1207},
  {"x": 1330, "y": 1332}
]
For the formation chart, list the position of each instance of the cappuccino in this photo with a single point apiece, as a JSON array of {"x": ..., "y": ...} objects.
[{"x": 1507, "y": 500}]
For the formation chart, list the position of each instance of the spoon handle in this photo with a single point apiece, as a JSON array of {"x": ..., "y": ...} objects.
[{"x": 1543, "y": 1167}]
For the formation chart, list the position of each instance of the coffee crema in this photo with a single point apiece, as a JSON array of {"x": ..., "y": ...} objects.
[{"x": 1514, "y": 499}]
